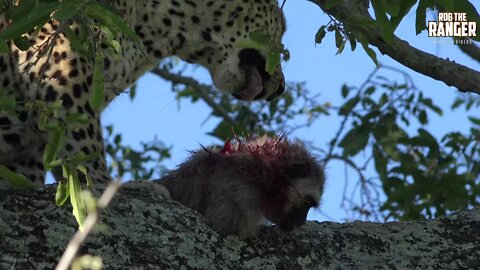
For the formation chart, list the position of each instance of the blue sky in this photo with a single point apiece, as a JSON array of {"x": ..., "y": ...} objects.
[{"x": 156, "y": 113}]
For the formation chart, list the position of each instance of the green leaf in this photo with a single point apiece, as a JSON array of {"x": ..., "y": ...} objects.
[
  {"x": 286, "y": 55},
  {"x": 15, "y": 179},
  {"x": 386, "y": 28},
  {"x": 429, "y": 103},
  {"x": 430, "y": 141},
  {"x": 348, "y": 106},
  {"x": 260, "y": 37},
  {"x": 67, "y": 10},
  {"x": 55, "y": 142},
  {"x": 81, "y": 157},
  {"x": 62, "y": 194},
  {"x": 404, "y": 8},
  {"x": 338, "y": 38},
  {"x": 76, "y": 197},
  {"x": 75, "y": 43},
  {"x": 355, "y": 140},
  {"x": 422, "y": 117},
  {"x": 420, "y": 23},
  {"x": 249, "y": 44},
  {"x": 456, "y": 103},
  {"x": 330, "y": 3},
  {"x": 84, "y": 171},
  {"x": 380, "y": 162},
  {"x": 96, "y": 99},
  {"x": 392, "y": 7},
  {"x": 72, "y": 118},
  {"x": 91, "y": 202},
  {"x": 223, "y": 131},
  {"x": 322, "y": 109},
  {"x": 109, "y": 39},
  {"x": 368, "y": 50},
  {"x": 472, "y": 13},
  {"x": 109, "y": 18},
  {"x": 372, "y": 55},
  {"x": 320, "y": 35},
  {"x": 342, "y": 46},
  {"x": 383, "y": 99},
  {"x": 22, "y": 43},
  {"x": 466, "y": 6},
  {"x": 39, "y": 16},
  {"x": 345, "y": 90},
  {"x": 22, "y": 10},
  {"x": 370, "y": 90},
  {"x": 55, "y": 163},
  {"x": 4, "y": 46},
  {"x": 53, "y": 125},
  {"x": 7, "y": 102},
  {"x": 353, "y": 43},
  {"x": 474, "y": 120},
  {"x": 133, "y": 91},
  {"x": 273, "y": 59},
  {"x": 447, "y": 4}
]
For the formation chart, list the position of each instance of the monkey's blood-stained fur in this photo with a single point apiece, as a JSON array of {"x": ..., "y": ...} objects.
[{"x": 237, "y": 187}]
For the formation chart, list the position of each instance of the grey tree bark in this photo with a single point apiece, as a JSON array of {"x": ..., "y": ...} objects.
[{"x": 143, "y": 232}]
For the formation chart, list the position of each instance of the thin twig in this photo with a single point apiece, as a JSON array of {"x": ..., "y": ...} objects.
[
  {"x": 89, "y": 224},
  {"x": 342, "y": 125}
]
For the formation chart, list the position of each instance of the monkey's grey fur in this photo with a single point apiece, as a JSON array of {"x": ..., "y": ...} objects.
[{"x": 235, "y": 191}]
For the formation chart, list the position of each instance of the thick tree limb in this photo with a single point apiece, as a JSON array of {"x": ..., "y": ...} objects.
[
  {"x": 350, "y": 12},
  {"x": 471, "y": 50},
  {"x": 147, "y": 233}
]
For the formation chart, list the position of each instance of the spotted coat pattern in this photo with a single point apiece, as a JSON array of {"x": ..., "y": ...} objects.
[{"x": 201, "y": 31}]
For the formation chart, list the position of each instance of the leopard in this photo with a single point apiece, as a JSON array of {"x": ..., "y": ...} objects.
[{"x": 202, "y": 32}]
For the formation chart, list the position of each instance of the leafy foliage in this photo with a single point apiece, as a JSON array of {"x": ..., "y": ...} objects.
[
  {"x": 28, "y": 16},
  {"x": 420, "y": 176},
  {"x": 126, "y": 162},
  {"x": 388, "y": 15}
]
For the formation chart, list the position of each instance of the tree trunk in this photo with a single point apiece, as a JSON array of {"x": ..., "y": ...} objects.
[{"x": 140, "y": 231}]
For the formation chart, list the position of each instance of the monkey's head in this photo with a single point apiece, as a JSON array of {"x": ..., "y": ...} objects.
[{"x": 290, "y": 179}]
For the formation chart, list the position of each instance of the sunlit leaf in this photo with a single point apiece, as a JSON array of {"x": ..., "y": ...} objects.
[
  {"x": 63, "y": 192},
  {"x": 108, "y": 17},
  {"x": 15, "y": 179},
  {"x": 96, "y": 98},
  {"x": 55, "y": 142},
  {"x": 76, "y": 197}
]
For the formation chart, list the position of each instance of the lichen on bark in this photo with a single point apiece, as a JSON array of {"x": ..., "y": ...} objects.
[{"x": 138, "y": 230}]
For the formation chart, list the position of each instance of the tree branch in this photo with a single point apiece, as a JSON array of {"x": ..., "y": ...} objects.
[
  {"x": 201, "y": 89},
  {"x": 471, "y": 50},
  {"x": 144, "y": 232},
  {"x": 351, "y": 12}
]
